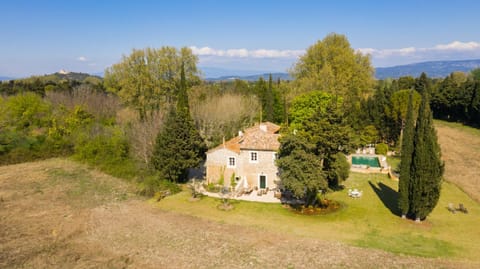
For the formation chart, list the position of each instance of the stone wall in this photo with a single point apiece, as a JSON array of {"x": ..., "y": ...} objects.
[{"x": 217, "y": 164}]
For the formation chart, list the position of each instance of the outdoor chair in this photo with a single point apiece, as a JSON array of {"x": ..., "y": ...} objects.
[
  {"x": 241, "y": 192},
  {"x": 451, "y": 208},
  {"x": 462, "y": 208},
  {"x": 277, "y": 194}
]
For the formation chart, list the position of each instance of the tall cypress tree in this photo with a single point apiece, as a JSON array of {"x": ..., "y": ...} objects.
[
  {"x": 427, "y": 166},
  {"x": 269, "y": 101},
  {"x": 406, "y": 160},
  {"x": 179, "y": 145}
]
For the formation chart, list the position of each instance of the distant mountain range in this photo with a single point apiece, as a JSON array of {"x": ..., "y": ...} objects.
[
  {"x": 432, "y": 69},
  {"x": 5, "y": 78},
  {"x": 265, "y": 76}
]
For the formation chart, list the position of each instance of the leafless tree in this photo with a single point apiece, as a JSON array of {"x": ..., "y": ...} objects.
[
  {"x": 99, "y": 104},
  {"x": 223, "y": 115},
  {"x": 142, "y": 134}
]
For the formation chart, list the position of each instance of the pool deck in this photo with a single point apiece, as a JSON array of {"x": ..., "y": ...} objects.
[{"x": 383, "y": 169}]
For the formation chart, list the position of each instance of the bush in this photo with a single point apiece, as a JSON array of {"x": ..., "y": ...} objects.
[
  {"x": 340, "y": 168},
  {"x": 106, "y": 148},
  {"x": 153, "y": 184},
  {"x": 381, "y": 149},
  {"x": 24, "y": 119},
  {"x": 233, "y": 183},
  {"x": 211, "y": 187},
  {"x": 221, "y": 181}
]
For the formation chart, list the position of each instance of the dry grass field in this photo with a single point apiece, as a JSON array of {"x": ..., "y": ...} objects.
[
  {"x": 461, "y": 153},
  {"x": 61, "y": 214}
]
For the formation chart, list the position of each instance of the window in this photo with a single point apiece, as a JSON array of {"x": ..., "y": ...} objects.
[
  {"x": 253, "y": 156},
  {"x": 231, "y": 162},
  {"x": 275, "y": 156}
]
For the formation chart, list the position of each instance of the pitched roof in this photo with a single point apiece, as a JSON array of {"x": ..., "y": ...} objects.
[{"x": 261, "y": 136}]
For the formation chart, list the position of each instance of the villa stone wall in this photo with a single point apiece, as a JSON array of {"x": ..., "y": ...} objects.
[{"x": 217, "y": 164}]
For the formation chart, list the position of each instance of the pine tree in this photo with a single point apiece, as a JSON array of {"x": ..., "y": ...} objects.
[
  {"x": 331, "y": 134},
  {"x": 427, "y": 166},
  {"x": 179, "y": 145},
  {"x": 299, "y": 168},
  {"x": 406, "y": 160}
]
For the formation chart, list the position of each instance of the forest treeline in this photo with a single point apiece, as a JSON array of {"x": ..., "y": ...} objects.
[{"x": 114, "y": 123}]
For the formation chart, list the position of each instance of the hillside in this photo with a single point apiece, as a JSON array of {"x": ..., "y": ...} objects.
[
  {"x": 432, "y": 69},
  {"x": 461, "y": 152},
  {"x": 69, "y": 76},
  {"x": 60, "y": 76}
]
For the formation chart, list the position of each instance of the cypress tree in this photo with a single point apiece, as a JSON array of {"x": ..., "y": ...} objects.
[
  {"x": 269, "y": 101},
  {"x": 179, "y": 145},
  {"x": 427, "y": 166},
  {"x": 406, "y": 160}
]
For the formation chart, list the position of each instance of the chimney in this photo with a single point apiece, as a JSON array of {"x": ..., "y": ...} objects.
[
  {"x": 224, "y": 142},
  {"x": 240, "y": 134}
]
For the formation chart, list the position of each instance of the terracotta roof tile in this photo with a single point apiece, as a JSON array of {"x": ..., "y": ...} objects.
[{"x": 262, "y": 136}]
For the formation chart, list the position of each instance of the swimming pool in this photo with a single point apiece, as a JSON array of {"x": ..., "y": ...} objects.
[{"x": 371, "y": 161}]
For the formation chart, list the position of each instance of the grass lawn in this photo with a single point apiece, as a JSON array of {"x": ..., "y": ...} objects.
[
  {"x": 458, "y": 126},
  {"x": 394, "y": 162},
  {"x": 371, "y": 221}
]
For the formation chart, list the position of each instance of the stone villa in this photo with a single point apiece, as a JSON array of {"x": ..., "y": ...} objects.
[{"x": 249, "y": 158}]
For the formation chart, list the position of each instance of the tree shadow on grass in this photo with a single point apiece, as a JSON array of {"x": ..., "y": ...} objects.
[{"x": 388, "y": 196}]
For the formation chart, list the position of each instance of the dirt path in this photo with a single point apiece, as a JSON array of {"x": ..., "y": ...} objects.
[
  {"x": 461, "y": 153},
  {"x": 47, "y": 223}
]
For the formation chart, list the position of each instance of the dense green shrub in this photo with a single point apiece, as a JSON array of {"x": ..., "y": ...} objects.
[
  {"x": 24, "y": 121},
  {"x": 26, "y": 112},
  {"x": 340, "y": 168},
  {"x": 381, "y": 149},
  {"x": 106, "y": 148},
  {"x": 152, "y": 184}
]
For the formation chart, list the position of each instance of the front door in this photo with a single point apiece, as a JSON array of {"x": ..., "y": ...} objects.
[{"x": 263, "y": 181}]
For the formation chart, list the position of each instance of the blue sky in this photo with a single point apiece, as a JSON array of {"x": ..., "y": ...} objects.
[{"x": 39, "y": 37}]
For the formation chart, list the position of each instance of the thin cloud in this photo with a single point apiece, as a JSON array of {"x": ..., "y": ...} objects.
[
  {"x": 82, "y": 59},
  {"x": 455, "y": 50},
  {"x": 455, "y": 46},
  {"x": 282, "y": 59},
  {"x": 245, "y": 53}
]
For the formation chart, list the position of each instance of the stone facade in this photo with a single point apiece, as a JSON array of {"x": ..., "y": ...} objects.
[{"x": 250, "y": 156}]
